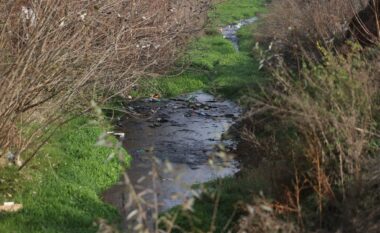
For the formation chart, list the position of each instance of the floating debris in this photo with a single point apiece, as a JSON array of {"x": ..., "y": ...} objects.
[
  {"x": 155, "y": 125},
  {"x": 119, "y": 135}
]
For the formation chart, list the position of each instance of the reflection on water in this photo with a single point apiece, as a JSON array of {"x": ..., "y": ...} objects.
[{"x": 183, "y": 132}]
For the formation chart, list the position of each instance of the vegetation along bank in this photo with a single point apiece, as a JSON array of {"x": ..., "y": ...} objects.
[{"x": 306, "y": 74}]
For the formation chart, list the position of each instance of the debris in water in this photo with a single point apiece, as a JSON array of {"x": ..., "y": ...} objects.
[
  {"x": 179, "y": 131},
  {"x": 119, "y": 135},
  {"x": 229, "y": 115},
  {"x": 155, "y": 125},
  {"x": 202, "y": 114},
  {"x": 162, "y": 120},
  {"x": 154, "y": 98}
]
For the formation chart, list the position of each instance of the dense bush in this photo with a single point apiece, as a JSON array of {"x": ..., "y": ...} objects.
[
  {"x": 294, "y": 27},
  {"x": 317, "y": 118}
]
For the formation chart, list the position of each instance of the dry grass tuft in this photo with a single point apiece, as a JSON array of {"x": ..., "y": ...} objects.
[
  {"x": 262, "y": 218},
  {"x": 317, "y": 119},
  {"x": 296, "y": 27},
  {"x": 320, "y": 123}
]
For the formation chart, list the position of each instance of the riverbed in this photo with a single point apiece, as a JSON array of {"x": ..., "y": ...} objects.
[{"x": 178, "y": 138}]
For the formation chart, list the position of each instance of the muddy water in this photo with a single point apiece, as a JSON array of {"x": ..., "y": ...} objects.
[{"x": 185, "y": 132}]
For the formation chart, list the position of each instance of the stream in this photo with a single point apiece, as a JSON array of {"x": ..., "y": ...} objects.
[
  {"x": 176, "y": 138},
  {"x": 229, "y": 32}
]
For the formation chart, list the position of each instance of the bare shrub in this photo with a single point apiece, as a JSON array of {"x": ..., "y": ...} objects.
[
  {"x": 262, "y": 218},
  {"x": 320, "y": 123},
  {"x": 362, "y": 208},
  {"x": 56, "y": 54},
  {"x": 296, "y": 26},
  {"x": 317, "y": 118}
]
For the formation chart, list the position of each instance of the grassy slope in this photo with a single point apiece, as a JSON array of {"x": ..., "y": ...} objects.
[
  {"x": 60, "y": 189},
  {"x": 214, "y": 64}
]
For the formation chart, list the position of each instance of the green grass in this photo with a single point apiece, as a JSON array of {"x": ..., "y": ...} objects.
[
  {"x": 60, "y": 190},
  {"x": 247, "y": 41},
  {"x": 215, "y": 66},
  {"x": 230, "y": 11},
  {"x": 173, "y": 85}
]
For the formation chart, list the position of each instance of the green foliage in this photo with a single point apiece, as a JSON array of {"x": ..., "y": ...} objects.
[
  {"x": 60, "y": 192},
  {"x": 172, "y": 85}
]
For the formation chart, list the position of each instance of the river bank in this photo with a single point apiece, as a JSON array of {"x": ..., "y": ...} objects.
[{"x": 62, "y": 191}]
